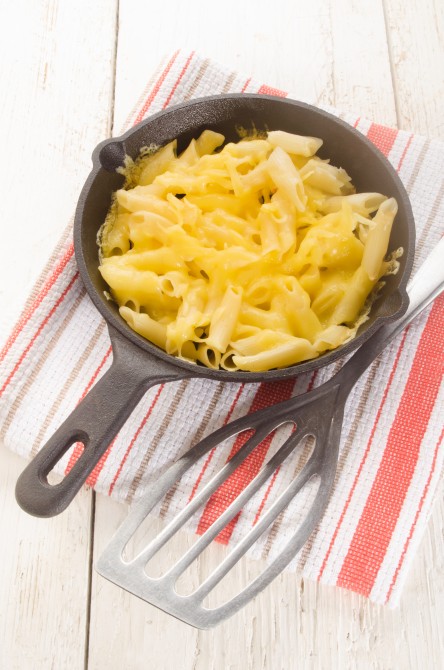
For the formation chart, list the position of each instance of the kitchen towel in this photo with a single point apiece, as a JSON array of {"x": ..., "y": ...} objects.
[{"x": 390, "y": 458}]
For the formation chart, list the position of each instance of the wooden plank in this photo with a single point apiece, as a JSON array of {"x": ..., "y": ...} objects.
[
  {"x": 324, "y": 52},
  {"x": 57, "y": 77},
  {"x": 137, "y": 635},
  {"x": 291, "y": 624},
  {"x": 254, "y": 40},
  {"x": 361, "y": 66},
  {"x": 57, "y": 82},
  {"x": 44, "y": 574},
  {"x": 331, "y": 53},
  {"x": 416, "y": 40}
]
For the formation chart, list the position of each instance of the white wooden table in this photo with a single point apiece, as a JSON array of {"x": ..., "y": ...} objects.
[{"x": 69, "y": 73}]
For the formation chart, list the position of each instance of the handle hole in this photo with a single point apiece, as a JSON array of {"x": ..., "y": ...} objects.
[{"x": 65, "y": 463}]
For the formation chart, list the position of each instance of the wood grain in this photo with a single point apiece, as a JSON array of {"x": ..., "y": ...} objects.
[
  {"x": 57, "y": 78},
  {"x": 415, "y": 31},
  {"x": 44, "y": 579},
  {"x": 57, "y": 64},
  {"x": 332, "y": 57},
  {"x": 380, "y": 59}
]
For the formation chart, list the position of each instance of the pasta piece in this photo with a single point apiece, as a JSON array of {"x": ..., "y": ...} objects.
[
  {"x": 226, "y": 360},
  {"x": 294, "y": 303},
  {"x": 256, "y": 257},
  {"x": 140, "y": 198},
  {"x": 143, "y": 324},
  {"x": 287, "y": 178},
  {"x": 332, "y": 337},
  {"x": 326, "y": 178},
  {"x": 220, "y": 238},
  {"x": 277, "y": 225},
  {"x": 310, "y": 279},
  {"x": 174, "y": 283},
  {"x": 269, "y": 233},
  {"x": 188, "y": 157},
  {"x": 190, "y": 317},
  {"x": 260, "y": 291},
  {"x": 157, "y": 163},
  {"x": 208, "y": 142},
  {"x": 224, "y": 319},
  {"x": 147, "y": 230},
  {"x": 362, "y": 203},
  {"x": 115, "y": 237},
  {"x": 127, "y": 284},
  {"x": 256, "y": 180},
  {"x": 294, "y": 144},
  {"x": 279, "y": 356},
  {"x": 378, "y": 238},
  {"x": 256, "y": 149},
  {"x": 260, "y": 341},
  {"x": 272, "y": 319},
  {"x": 212, "y": 201},
  {"x": 208, "y": 355},
  {"x": 352, "y": 301}
]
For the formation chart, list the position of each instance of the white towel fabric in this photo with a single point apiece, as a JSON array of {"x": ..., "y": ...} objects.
[{"x": 390, "y": 459}]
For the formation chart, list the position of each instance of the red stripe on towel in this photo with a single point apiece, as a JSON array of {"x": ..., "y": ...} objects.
[
  {"x": 395, "y": 472},
  {"x": 269, "y": 90},
  {"x": 27, "y": 314},
  {"x": 364, "y": 458},
  {"x": 147, "y": 104},
  {"x": 211, "y": 454},
  {"x": 179, "y": 79},
  {"x": 418, "y": 512},
  {"x": 133, "y": 441},
  {"x": 38, "y": 332},
  {"x": 79, "y": 449},
  {"x": 267, "y": 394}
]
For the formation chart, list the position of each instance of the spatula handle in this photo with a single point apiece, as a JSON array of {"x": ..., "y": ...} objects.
[{"x": 425, "y": 286}]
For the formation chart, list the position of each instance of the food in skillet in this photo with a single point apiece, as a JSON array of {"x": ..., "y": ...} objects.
[{"x": 255, "y": 256}]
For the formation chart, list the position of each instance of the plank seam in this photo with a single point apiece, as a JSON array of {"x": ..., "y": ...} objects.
[{"x": 391, "y": 63}]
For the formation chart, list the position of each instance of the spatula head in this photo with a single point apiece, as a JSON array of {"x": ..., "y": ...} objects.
[{"x": 318, "y": 416}]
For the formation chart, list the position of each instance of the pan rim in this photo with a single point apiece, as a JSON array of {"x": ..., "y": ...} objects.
[{"x": 192, "y": 369}]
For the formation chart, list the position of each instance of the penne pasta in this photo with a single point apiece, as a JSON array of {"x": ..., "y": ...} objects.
[
  {"x": 208, "y": 142},
  {"x": 278, "y": 356},
  {"x": 294, "y": 144},
  {"x": 208, "y": 355},
  {"x": 286, "y": 178},
  {"x": 145, "y": 326},
  {"x": 253, "y": 256},
  {"x": 327, "y": 178},
  {"x": 224, "y": 319},
  {"x": 361, "y": 203},
  {"x": 378, "y": 237},
  {"x": 157, "y": 163}
]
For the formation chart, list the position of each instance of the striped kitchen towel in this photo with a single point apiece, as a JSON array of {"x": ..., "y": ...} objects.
[{"x": 390, "y": 458}]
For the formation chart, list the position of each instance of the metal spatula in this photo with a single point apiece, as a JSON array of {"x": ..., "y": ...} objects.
[{"x": 319, "y": 414}]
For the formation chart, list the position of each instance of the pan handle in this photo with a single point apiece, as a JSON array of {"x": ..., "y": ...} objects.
[{"x": 94, "y": 422}]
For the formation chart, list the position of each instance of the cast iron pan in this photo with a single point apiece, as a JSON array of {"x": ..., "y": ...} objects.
[{"x": 138, "y": 364}]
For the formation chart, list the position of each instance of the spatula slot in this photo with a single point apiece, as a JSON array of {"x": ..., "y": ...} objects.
[
  {"x": 215, "y": 552},
  {"x": 208, "y": 475},
  {"x": 177, "y": 499},
  {"x": 243, "y": 573},
  {"x": 219, "y": 520}
]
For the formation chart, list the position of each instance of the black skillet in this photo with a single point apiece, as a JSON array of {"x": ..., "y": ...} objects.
[{"x": 137, "y": 364}]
